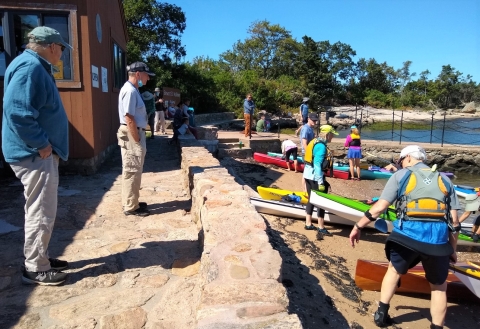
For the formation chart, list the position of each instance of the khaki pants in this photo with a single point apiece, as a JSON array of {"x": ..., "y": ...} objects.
[
  {"x": 160, "y": 120},
  {"x": 248, "y": 124},
  {"x": 133, "y": 157},
  {"x": 40, "y": 181}
]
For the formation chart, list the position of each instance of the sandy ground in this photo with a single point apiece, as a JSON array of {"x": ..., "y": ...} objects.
[{"x": 320, "y": 274}]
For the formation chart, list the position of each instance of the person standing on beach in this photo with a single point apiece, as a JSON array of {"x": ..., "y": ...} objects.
[
  {"x": 303, "y": 113},
  {"x": 306, "y": 135},
  {"x": 159, "y": 112},
  {"x": 34, "y": 138},
  {"x": 131, "y": 137},
  {"x": 354, "y": 146},
  {"x": 426, "y": 230},
  {"x": 313, "y": 173},
  {"x": 248, "y": 108}
]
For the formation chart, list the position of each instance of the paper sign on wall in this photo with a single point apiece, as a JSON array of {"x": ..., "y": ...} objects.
[
  {"x": 95, "y": 77},
  {"x": 104, "y": 79}
]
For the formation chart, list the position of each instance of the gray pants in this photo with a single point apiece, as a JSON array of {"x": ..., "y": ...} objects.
[{"x": 40, "y": 180}]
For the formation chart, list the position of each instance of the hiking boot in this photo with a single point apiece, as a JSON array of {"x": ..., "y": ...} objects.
[
  {"x": 46, "y": 278},
  {"x": 475, "y": 238},
  {"x": 324, "y": 231},
  {"x": 382, "y": 319},
  {"x": 138, "y": 212},
  {"x": 57, "y": 264},
  {"x": 143, "y": 205}
]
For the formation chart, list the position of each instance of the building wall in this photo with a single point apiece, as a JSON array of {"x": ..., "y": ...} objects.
[{"x": 92, "y": 113}]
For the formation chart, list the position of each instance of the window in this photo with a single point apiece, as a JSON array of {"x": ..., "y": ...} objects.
[
  {"x": 119, "y": 67},
  {"x": 17, "y": 21}
]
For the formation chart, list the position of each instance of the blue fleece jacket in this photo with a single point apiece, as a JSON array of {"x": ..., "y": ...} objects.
[
  {"x": 248, "y": 106},
  {"x": 33, "y": 113}
]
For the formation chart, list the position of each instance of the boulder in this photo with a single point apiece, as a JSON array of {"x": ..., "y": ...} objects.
[{"x": 469, "y": 108}]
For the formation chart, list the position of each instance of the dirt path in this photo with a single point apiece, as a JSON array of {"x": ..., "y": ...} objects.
[{"x": 320, "y": 274}]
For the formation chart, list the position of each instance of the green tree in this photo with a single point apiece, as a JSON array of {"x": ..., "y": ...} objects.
[{"x": 154, "y": 29}]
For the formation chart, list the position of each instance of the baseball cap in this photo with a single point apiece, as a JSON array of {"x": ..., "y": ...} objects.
[
  {"x": 353, "y": 127},
  {"x": 313, "y": 116},
  {"x": 328, "y": 129},
  {"x": 47, "y": 35},
  {"x": 472, "y": 202},
  {"x": 411, "y": 149},
  {"x": 139, "y": 67}
]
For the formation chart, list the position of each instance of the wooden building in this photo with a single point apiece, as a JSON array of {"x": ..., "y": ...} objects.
[{"x": 90, "y": 76}]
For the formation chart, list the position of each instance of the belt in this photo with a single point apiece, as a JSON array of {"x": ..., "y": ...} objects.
[{"x": 124, "y": 124}]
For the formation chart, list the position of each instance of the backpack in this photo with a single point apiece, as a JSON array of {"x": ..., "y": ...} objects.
[
  {"x": 423, "y": 195},
  {"x": 327, "y": 162}
]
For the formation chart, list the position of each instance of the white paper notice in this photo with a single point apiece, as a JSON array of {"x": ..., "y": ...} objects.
[
  {"x": 95, "y": 77},
  {"x": 104, "y": 80}
]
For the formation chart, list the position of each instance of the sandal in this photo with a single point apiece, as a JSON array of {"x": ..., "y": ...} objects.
[{"x": 310, "y": 227}]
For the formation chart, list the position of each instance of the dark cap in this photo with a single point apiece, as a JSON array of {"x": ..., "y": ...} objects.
[
  {"x": 313, "y": 116},
  {"x": 139, "y": 67},
  {"x": 47, "y": 35}
]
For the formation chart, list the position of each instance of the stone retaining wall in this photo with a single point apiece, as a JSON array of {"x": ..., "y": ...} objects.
[
  {"x": 240, "y": 271},
  {"x": 202, "y": 119}
]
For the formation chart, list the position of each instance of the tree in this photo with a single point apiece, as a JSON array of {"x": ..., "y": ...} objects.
[{"x": 154, "y": 30}]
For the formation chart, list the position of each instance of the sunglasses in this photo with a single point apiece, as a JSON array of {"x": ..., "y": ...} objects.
[{"x": 62, "y": 47}]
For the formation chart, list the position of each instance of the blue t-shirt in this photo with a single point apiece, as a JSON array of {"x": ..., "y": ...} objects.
[
  {"x": 304, "y": 110},
  {"x": 306, "y": 133}
]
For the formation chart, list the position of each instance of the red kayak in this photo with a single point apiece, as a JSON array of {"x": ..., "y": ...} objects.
[{"x": 264, "y": 158}]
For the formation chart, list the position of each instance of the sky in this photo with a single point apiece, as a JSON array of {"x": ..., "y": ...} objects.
[{"x": 430, "y": 33}]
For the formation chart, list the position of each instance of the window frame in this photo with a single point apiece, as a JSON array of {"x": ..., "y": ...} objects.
[
  {"x": 54, "y": 9},
  {"x": 124, "y": 65}
]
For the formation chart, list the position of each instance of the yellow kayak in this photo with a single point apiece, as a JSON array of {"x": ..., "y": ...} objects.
[
  {"x": 469, "y": 276},
  {"x": 276, "y": 194}
]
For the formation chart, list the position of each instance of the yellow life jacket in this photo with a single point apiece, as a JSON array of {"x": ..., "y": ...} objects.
[
  {"x": 355, "y": 140},
  {"x": 308, "y": 157}
]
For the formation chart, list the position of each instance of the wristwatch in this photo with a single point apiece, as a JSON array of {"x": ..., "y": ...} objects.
[{"x": 358, "y": 227}]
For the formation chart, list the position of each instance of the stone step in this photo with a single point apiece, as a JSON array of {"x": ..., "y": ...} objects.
[
  {"x": 228, "y": 140},
  {"x": 243, "y": 153},
  {"x": 230, "y": 145}
]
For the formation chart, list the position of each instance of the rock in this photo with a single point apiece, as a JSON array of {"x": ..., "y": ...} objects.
[
  {"x": 131, "y": 319},
  {"x": 469, "y": 108},
  {"x": 89, "y": 323},
  {"x": 28, "y": 321},
  {"x": 239, "y": 272},
  {"x": 185, "y": 267}
]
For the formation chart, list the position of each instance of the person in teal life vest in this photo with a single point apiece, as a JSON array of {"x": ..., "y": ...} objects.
[
  {"x": 315, "y": 155},
  {"x": 425, "y": 230},
  {"x": 354, "y": 145}
]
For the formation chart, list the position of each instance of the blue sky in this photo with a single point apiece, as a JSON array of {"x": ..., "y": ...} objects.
[{"x": 430, "y": 33}]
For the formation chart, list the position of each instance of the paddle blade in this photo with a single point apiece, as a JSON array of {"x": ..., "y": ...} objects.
[{"x": 381, "y": 225}]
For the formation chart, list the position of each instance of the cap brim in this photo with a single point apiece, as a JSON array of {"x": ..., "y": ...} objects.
[
  {"x": 150, "y": 73},
  {"x": 334, "y": 132},
  {"x": 66, "y": 45}
]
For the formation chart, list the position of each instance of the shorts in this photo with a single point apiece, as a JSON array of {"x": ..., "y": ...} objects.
[
  {"x": 403, "y": 258},
  {"x": 476, "y": 222},
  {"x": 293, "y": 152}
]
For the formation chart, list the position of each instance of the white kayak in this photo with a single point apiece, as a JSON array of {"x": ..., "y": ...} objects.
[
  {"x": 470, "y": 277},
  {"x": 296, "y": 210}
]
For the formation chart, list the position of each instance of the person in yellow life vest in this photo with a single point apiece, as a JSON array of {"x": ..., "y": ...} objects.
[
  {"x": 315, "y": 155},
  {"x": 354, "y": 145}
]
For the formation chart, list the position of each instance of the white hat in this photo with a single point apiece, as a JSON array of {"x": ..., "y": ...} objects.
[
  {"x": 305, "y": 99},
  {"x": 413, "y": 149},
  {"x": 472, "y": 202}
]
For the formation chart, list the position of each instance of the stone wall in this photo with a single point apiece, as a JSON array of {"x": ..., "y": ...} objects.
[
  {"x": 240, "y": 271},
  {"x": 202, "y": 119}
]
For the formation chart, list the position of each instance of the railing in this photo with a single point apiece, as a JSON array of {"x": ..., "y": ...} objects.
[{"x": 440, "y": 131}]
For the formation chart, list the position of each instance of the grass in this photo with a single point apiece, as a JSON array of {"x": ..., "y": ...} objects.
[{"x": 380, "y": 126}]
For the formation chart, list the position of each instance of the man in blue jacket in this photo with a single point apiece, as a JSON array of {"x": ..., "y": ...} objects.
[
  {"x": 248, "y": 108},
  {"x": 34, "y": 137}
]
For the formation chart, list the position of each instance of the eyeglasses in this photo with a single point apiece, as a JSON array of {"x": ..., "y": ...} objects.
[{"x": 61, "y": 46}]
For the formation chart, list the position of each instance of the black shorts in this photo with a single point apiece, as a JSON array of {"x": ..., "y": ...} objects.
[
  {"x": 293, "y": 152},
  {"x": 403, "y": 258},
  {"x": 476, "y": 222}
]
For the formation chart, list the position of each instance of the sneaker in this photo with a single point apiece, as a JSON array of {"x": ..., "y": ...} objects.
[
  {"x": 57, "y": 264},
  {"x": 139, "y": 212},
  {"x": 324, "y": 231},
  {"x": 382, "y": 319},
  {"x": 310, "y": 227},
  {"x": 475, "y": 237},
  {"x": 47, "y": 278}
]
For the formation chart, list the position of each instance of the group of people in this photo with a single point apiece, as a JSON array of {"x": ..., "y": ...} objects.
[
  {"x": 425, "y": 232},
  {"x": 35, "y": 137}
]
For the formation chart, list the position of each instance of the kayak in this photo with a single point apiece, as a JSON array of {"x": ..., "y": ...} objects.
[
  {"x": 276, "y": 194},
  {"x": 469, "y": 275},
  {"x": 297, "y": 211},
  {"x": 364, "y": 173},
  {"x": 464, "y": 190},
  {"x": 264, "y": 158},
  {"x": 300, "y": 160},
  {"x": 369, "y": 276},
  {"x": 354, "y": 209}
]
